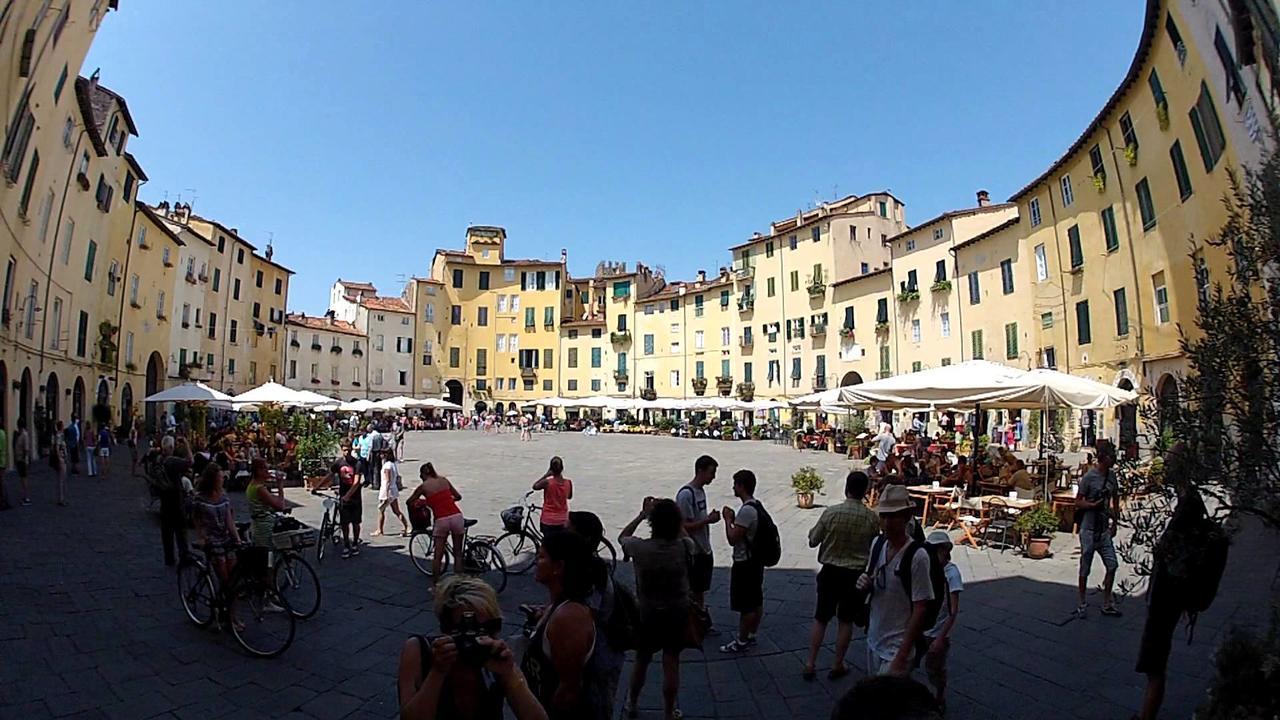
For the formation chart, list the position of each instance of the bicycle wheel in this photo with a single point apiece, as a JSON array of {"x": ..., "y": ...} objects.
[
  {"x": 422, "y": 549},
  {"x": 326, "y": 530},
  {"x": 485, "y": 562},
  {"x": 195, "y": 588},
  {"x": 606, "y": 553},
  {"x": 260, "y": 619},
  {"x": 297, "y": 582},
  {"x": 518, "y": 551}
]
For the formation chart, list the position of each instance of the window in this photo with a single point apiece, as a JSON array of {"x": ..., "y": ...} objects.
[
  {"x": 240, "y": 256},
  {"x": 792, "y": 242},
  {"x": 1157, "y": 89},
  {"x": 257, "y": 311},
  {"x": 68, "y": 238},
  {"x": 231, "y": 332},
  {"x": 795, "y": 280},
  {"x": 884, "y": 359},
  {"x": 293, "y": 369},
  {"x": 1011, "y": 341},
  {"x": 15, "y": 144},
  {"x": 1122, "y": 311},
  {"x": 89, "y": 258},
  {"x": 68, "y": 132},
  {"x": 940, "y": 271},
  {"x": 1095, "y": 162},
  {"x": 884, "y": 209},
  {"x": 430, "y": 313},
  {"x": 724, "y": 298},
  {"x": 455, "y": 357},
  {"x": 1046, "y": 320},
  {"x": 257, "y": 279},
  {"x": 1235, "y": 85},
  {"x": 482, "y": 280},
  {"x": 1034, "y": 209},
  {"x": 938, "y": 233},
  {"x": 848, "y": 318},
  {"x": 648, "y": 344},
  {"x": 46, "y": 207},
  {"x": 549, "y": 318},
  {"x": 1209, "y": 137},
  {"x": 725, "y": 339},
  {"x": 911, "y": 280},
  {"x": 279, "y": 286},
  {"x": 697, "y": 306},
  {"x": 217, "y": 278},
  {"x": 975, "y": 290},
  {"x": 797, "y": 371},
  {"x": 911, "y": 245},
  {"x": 1006, "y": 276},
  {"x": 815, "y": 233},
  {"x": 1180, "y": 170},
  {"x": 865, "y": 268},
  {"x": 502, "y": 342},
  {"x": 509, "y": 274},
  {"x": 1109, "y": 229},
  {"x": 1073, "y": 243},
  {"x": 55, "y": 324},
  {"x": 1161, "y": 298},
  {"x": 1175, "y": 37},
  {"x": 482, "y": 316},
  {"x": 24, "y": 202},
  {"x": 595, "y": 357},
  {"x": 768, "y": 249},
  {"x": 622, "y": 289},
  {"x": 769, "y": 287},
  {"x": 530, "y": 317},
  {"x": 455, "y": 315},
  {"x": 573, "y": 358},
  {"x": 1042, "y": 264},
  {"x": 82, "y": 328},
  {"x": 482, "y": 361},
  {"x": 235, "y": 289},
  {"x": 675, "y": 304},
  {"x": 1067, "y": 196},
  {"x": 1084, "y": 334},
  {"x": 1127, "y": 132},
  {"x": 915, "y": 330},
  {"x": 213, "y": 326},
  {"x": 378, "y": 342},
  {"x": 595, "y": 385},
  {"x": 548, "y": 356},
  {"x": 698, "y": 339},
  {"x": 746, "y": 372},
  {"x": 222, "y": 243},
  {"x": 945, "y": 319},
  {"x": 699, "y": 369},
  {"x": 1049, "y": 358},
  {"x": 882, "y": 310},
  {"x": 1145, "y": 206},
  {"x": 975, "y": 339},
  {"x": 457, "y": 278},
  {"x": 916, "y": 366}
]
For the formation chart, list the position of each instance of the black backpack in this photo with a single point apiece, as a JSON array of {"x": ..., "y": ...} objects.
[
  {"x": 1193, "y": 550},
  {"x": 766, "y": 546},
  {"x": 937, "y": 579},
  {"x": 622, "y": 627}
]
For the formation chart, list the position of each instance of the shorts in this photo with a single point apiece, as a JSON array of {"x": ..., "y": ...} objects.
[
  {"x": 104, "y": 452},
  {"x": 1163, "y": 614},
  {"x": 935, "y": 663},
  {"x": 662, "y": 630},
  {"x": 838, "y": 594},
  {"x": 746, "y": 586},
  {"x": 700, "y": 576},
  {"x": 21, "y": 465},
  {"x": 1099, "y": 542},
  {"x": 454, "y": 525},
  {"x": 350, "y": 512}
]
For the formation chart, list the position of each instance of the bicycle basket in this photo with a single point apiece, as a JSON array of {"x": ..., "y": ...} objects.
[
  {"x": 304, "y": 537},
  {"x": 513, "y": 518}
]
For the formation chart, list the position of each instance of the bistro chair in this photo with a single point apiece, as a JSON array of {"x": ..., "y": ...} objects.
[{"x": 1001, "y": 518}]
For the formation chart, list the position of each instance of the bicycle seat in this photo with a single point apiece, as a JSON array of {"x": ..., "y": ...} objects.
[{"x": 469, "y": 522}]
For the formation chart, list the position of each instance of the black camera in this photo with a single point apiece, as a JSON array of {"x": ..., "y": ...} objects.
[{"x": 467, "y": 641}]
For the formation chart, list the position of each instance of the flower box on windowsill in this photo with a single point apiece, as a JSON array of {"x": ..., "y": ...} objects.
[
  {"x": 746, "y": 391},
  {"x": 315, "y": 381},
  {"x": 846, "y": 333},
  {"x": 82, "y": 180},
  {"x": 817, "y": 288},
  {"x": 620, "y": 336},
  {"x": 818, "y": 329},
  {"x": 882, "y": 327},
  {"x": 746, "y": 304},
  {"x": 357, "y": 352},
  {"x": 1100, "y": 182},
  {"x": 620, "y": 377},
  {"x": 135, "y": 304},
  {"x": 355, "y": 383},
  {"x": 941, "y": 286},
  {"x": 648, "y": 394},
  {"x": 1131, "y": 154},
  {"x": 131, "y": 367},
  {"x": 1162, "y": 108},
  {"x": 907, "y": 296},
  {"x": 316, "y": 347},
  {"x": 336, "y": 349},
  {"x": 699, "y": 385},
  {"x": 334, "y": 382}
]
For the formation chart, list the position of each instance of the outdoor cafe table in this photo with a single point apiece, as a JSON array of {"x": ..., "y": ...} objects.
[
  {"x": 927, "y": 493},
  {"x": 1013, "y": 503},
  {"x": 1063, "y": 499}
]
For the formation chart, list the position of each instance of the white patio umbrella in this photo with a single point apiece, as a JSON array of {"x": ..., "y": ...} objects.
[
  {"x": 1056, "y": 389},
  {"x": 315, "y": 400},
  {"x": 962, "y": 385},
  {"x": 189, "y": 392},
  {"x": 356, "y": 406},
  {"x": 270, "y": 393}
]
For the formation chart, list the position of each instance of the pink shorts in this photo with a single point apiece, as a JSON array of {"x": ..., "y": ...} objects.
[{"x": 453, "y": 525}]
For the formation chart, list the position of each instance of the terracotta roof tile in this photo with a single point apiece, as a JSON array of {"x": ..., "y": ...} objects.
[
  {"x": 322, "y": 323},
  {"x": 388, "y": 304}
]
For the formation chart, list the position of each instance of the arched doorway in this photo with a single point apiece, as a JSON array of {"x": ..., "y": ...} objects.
[
  {"x": 481, "y": 407},
  {"x": 850, "y": 378},
  {"x": 24, "y": 400},
  {"x": 52, "y": 391},
  {"x": 102, "y": 403},
  {"x": 126, "y": 405},
  {"x": 1128, "y": 417},
  {"x": 454, "y": 389},
  {"x": 77, "y": 398},
  {"x": 1166, "y": 401},
  {"x": 499, "y": 408},
  {"x": 155, "y": 370}
]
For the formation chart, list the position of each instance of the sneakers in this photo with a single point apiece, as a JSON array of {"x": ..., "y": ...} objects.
[
  {"x": 1082, "y": 612},
  {"x": 1111, "y": 611},
  {"x": 355, "y": 548},
  {"x": 736, "y": 646},
  {"x": 346, "y": 553}
]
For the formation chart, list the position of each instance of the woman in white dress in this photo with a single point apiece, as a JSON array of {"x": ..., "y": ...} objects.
[{"x": 389, "y": 492}]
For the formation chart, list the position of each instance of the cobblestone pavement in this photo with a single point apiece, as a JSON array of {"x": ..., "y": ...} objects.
[{"x": 90, "y": 624}]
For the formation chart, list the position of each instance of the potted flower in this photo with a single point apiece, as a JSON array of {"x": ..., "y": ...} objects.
[
  {"x": 699, "y": 385},
  {"x": 1038, "y": 525},
  {"x": 1099, "y": 182},
  {"x": 1131, "y": 154},
  {"x": 1162, "y": 115},
  {"x": 806, "y": 482}
]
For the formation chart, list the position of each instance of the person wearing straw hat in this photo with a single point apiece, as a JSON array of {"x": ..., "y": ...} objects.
[{"x": 899, "y": 597}]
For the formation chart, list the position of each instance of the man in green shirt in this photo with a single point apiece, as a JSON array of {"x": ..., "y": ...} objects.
[{"x": 843, "y": 535}]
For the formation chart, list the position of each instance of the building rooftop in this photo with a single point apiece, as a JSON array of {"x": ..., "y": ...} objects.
[
  {"x": 324, "y": 323},
  {"x": 386, "y": 304},
  {"x": 863, "y": 276},
  {"x": 984, "y": 235},
  {"x": 948, "y": 215}
]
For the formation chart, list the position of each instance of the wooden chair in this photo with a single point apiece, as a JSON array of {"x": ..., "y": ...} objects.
[{"x": 966, "y": 513}]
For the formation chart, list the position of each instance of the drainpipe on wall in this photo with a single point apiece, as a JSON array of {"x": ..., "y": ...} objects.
[{"x": 955, "y": 259}]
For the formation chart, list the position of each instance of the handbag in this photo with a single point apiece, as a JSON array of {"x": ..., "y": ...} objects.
[{"x": 695, "y": 628}]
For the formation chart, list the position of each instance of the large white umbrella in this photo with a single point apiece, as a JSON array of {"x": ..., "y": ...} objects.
[
  {"x": 1055, "y": 389},
  {"x": 975, "y": 382},
  {"x": 765, "y": 405},
  {"x": 438, "y": 404},
  {"x": 356, "y": 406},
  {"x": 315, "y": 399},
  {"x": 189, "y": 392},
  {"x": 270, "y": 393}
]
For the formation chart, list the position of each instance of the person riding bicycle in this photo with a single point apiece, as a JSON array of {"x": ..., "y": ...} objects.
[
  {"x": 441, "y": 497},
  {"x": 216, "y": 523},
  {"x": 263, "y": 504}
]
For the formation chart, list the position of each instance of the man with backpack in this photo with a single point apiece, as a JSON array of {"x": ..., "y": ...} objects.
[
  {"x": 1098, "y": 503},
  {"x": 898, "y": 579},
  {"x": 754, "y": 537}
]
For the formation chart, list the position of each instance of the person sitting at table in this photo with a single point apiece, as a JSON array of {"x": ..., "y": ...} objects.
[
  {"x": 910, "y": 472},
  {"x": 935, "y": 466},
  {"x": 963, "y": 475},
  {"x": 1020, "y": 478}
]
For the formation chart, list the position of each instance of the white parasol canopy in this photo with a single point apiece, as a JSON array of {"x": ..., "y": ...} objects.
[
  {"x": 356, "y": 406},
  {"x": 315, "y": 399},
  {"x": 438, "y": 404},
  {"x": 270, "y": 393},
  {"x": 189, "y": 392},
  {"x": 1053, "y": 388}
]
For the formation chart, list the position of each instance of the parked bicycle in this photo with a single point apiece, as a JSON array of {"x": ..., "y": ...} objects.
[
  {"x": 329, "y": 524},
  {"x": 519, "y": 545},
  {"x": 258, "y": 616},
  {"x": 480, "y": 557}
]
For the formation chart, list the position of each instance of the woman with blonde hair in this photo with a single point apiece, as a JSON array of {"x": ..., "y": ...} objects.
[{"x": 466, "y": 671}]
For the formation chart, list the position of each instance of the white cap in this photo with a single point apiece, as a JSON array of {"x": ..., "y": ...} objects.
[{"x": 939, "y": 537}]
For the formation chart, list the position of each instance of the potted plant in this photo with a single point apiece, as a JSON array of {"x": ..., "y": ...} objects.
[
  {"x": 1162, "y": 115},
  {"x": 727, "y": 428},
  {"x": 882, "y": 327},
  {"x": 1038, "y": 525},
  {"x": 806, "y": 482},
  {"x": 941, "y": 286},
  {"x": 699, "y": 385},
  {"x": 1131, "y": 154},
  {"x": 1099, "y": 182}
]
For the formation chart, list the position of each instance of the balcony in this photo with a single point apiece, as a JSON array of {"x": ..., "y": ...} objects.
[
  {"x": 191, "y": 277},
  {"x": 357, "y": 352},
  {"x": 746, "y": 391},
  {"x": 746, "y": 303},
  {"x": 316, "y": 346},
  {"x": 699, "y": 386},
  {"x": 528, "y": 373},
  {"x": 882, "y": 326},
  {"x": 620, "y": 377},
  {"x": 724, "y": 384},
  {"x": 819, "y": 383},
  {"x": 846, "y": 333},
  {"x": 648, "y": 394},
  {"x": 816, "y": 288},
  {"x": 818, "y": 328},
  {"x": 746, "y": 341},
  {"x": 744, "y": 272},
  {"x": 619, "y": 337},
  {"x": 336, "y": 349}
]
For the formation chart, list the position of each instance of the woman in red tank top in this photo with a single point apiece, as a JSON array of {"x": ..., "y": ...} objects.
[{"x": 437, "y": 494}]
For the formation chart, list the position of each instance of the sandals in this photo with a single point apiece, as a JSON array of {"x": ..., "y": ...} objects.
[{"x": 838, "y": 672}]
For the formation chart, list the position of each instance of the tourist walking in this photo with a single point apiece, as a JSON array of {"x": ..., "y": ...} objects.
[
  {"x": 133, "y": 445},
  {"x": 398, "y": 431},
  {"x": 389, "y": 492},
  {"x": 1099, "y": 504},
  {"x": 22, "y": 459},
  {"x": 662, "y": 564},
  {"x": 843, "y": 535},
  {"x": 557, "y": 491},
  {"x": 350, "y": 508},
  {"x": 176, "y": 462},
  {"x": 466, "y": 671},
  {"x": 72, "y": 436},
  {"x": 884, "y": 442},
  {"x": 58, "y": 461},
  {"x": 746, "y": 577},
  {"x": 900, "y": 588},
  {"x": 558, "y": 659},
  {"x": 105, "y": 441},
  {"x": 91, "y": 452},
  {"x": 692, "y": 501},
  {"x": 365, "y": 462},
  {"x": 442, "y": 498},
  {"x": 935, "y": 643}
]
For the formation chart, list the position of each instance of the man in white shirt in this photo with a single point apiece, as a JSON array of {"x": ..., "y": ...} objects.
[{"x": 897, "y": 613}]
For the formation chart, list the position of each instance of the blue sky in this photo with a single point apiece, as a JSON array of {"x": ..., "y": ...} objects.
[{"x": 363, "y": 138}]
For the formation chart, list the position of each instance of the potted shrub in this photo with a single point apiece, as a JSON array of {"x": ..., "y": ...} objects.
[
  {"x": 1037, "y": 525},
  {"x": 727, "y": 428},
  {"x": 806, "y": 482},
  {"x": 699, "y": 385}
]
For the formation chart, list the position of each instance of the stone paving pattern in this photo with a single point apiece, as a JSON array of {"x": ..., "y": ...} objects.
[{"x": 91, "y": 626}]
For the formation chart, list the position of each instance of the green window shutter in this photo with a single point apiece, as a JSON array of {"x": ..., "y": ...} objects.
[
  {"x": 549, "y": 316},
  {"x": 529, "y": 317},
  {"x": 976, "y": 342},
  {"x": 1011, "y": 341},
  {"x": 1084, "y": 333},
  {"x": 724, "y": 368},
  {"x": 1180, "y": 170},
  {"x": 1109, "y": 229},
  {"x": 1073, "y": 242}
]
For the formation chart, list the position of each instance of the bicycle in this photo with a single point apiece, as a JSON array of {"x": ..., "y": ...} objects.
[
  {"x": 259, "y": 617},
  {"x": 519, "y": 545},
  {"x": 293, "y": 576},
  {"x": 329, "y": 524},
  {"x": 480, "y": 556}
]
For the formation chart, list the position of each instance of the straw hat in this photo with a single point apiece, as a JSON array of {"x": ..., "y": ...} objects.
[{"x": 894, "y": 499}]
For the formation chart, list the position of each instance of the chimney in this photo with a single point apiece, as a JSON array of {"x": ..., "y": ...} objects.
[
  {"x": 181, "y": 212},
  {"x": 270, "y": 251},
  {"x": 234, "y": 231},
  {"x": 702, "y": 276},
  {"x": 564, "y": 256},
  {"x": 984, "y": 198}
]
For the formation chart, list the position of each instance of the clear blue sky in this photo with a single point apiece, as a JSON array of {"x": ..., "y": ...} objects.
[{"x": 366, "y": 136}]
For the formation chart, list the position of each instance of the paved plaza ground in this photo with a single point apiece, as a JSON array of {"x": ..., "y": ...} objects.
[{"x": 91, "y": 625}]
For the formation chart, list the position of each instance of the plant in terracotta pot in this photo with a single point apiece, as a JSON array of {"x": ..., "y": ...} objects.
[
  {"x": 1038, "y": 525},
  {"x": 806, "y": 482}
]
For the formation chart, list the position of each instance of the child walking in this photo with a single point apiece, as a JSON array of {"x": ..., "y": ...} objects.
[{"x": 936, "y": 641}]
